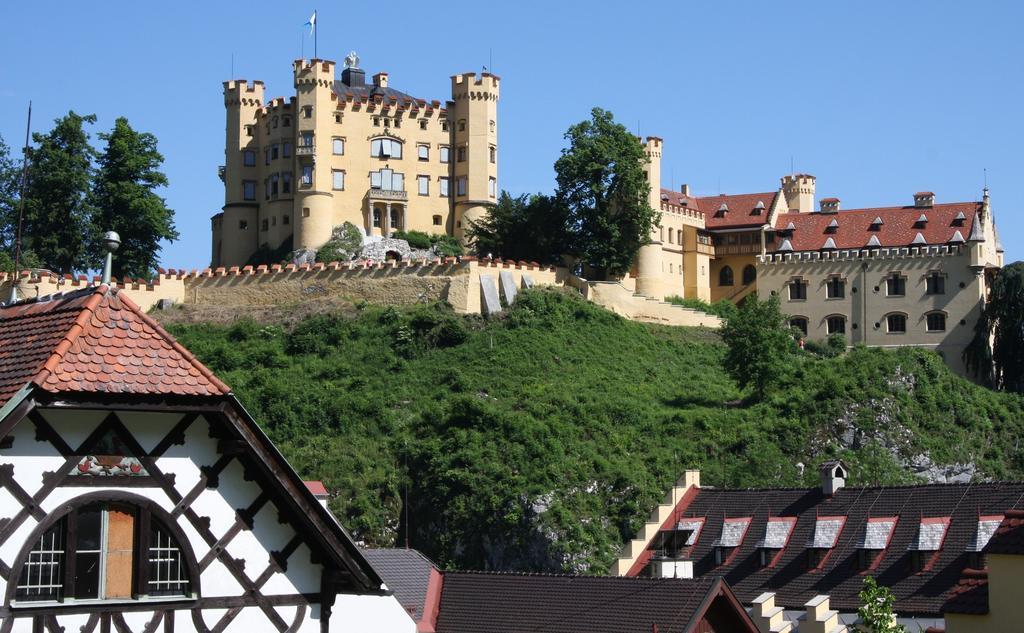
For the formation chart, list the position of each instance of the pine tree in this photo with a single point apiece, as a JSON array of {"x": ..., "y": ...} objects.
[
  {"x": 57, "y": 207},
  {"x": 125, "y": 201}
]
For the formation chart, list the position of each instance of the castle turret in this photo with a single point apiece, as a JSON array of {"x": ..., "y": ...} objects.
[
  {"x": 799, "y": 192},
  {"x": 649, "y": 259},
  {"x": 238, "y": 231},
  {"x": 473, "y": 114},
  {"x": 315, "y": 103}
]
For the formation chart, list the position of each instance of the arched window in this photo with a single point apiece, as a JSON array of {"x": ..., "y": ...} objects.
[
  {"x": 385, "y": 148},
  {"x": 725, "y": 276},
  {"x": 896, "y": 323},
  {"x": 799, "y": 323},
  {"x": 93, "y": 549},
  {"x": 936, "y": 321},
  {"x": 835, "y": 325},
  {"x": 749, "y": 274}
]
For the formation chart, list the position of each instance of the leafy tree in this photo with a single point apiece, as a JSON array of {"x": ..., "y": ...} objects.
[
  {"x": 877, "y": 616},
  {"x": 603, "y": 186},
  {"x": 996, "y": 355},
  {"x": 758, "y": 344},
  {"x": 524, "y": 228},
  {"x": 58, "y": 209},
  {"x": 10, "y": 180},
  {"x": 125, "y": 201}
]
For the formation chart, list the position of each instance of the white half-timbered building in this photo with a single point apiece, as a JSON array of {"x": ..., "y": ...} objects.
[{"x": 136, "y": 494}]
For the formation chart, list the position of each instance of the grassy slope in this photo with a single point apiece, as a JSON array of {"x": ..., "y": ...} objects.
[{"x": 542, "y": 439}]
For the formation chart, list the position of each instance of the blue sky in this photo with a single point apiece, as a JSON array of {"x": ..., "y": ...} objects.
[{"x": 876, "y": 99}]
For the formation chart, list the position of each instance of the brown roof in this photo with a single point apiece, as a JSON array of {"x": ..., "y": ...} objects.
[
  {"x": 478, "y": 602},
  {"x": 742, "y": 211},
  {"x": 916, "y": 592},
  {"x": 95, "y": 340},
  {"x": 899, "y": 226},
  {"x": 970, "y": 595}
]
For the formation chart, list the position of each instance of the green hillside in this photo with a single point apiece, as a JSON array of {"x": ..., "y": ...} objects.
[{"x": 540, "y": 440}]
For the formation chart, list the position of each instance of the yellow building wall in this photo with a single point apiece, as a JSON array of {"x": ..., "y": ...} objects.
[{"x": 1005, "y": 600}]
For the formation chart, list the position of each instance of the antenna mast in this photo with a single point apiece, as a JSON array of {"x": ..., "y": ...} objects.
[{"x": 21, "y": 205}]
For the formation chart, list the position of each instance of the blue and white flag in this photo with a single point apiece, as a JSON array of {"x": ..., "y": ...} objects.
[{"x": 312, "y": 23}]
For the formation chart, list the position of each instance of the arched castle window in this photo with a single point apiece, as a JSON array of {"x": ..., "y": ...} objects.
[
  {"x": 105, "y": 546},
  {"x": 935, "y": 321},
  {"x": 385, "y": 148},
  {"x": 725, "y": 276},
  {"x": 749, "y": 274},
  {"x": 896, "y": 323}
]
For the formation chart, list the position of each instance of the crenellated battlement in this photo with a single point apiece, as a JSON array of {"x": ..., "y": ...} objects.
[
  {"x": 904, "y": 252},
  {"x": 242, "y": 92},
  {"x": 483, "y": 87}
]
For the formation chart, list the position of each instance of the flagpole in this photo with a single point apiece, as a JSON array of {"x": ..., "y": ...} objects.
[
  {"x": 21, "y": 205},
  {"x": 315, "y": 54}
]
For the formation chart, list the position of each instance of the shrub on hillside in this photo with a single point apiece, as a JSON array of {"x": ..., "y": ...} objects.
[
  {"x": 416, "y": 239},
  {"x": 722, "y": 308},
  {"x": 346, "y": 244}
]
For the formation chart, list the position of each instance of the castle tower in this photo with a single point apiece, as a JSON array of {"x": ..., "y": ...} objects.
[
  {"x": 799, "y": 192},
  {"x": 649, "y": 260},
  {"x": 474, "y": 114},
  {"x": 315, "y": 103},
  {"x": 235, "y": 230}
]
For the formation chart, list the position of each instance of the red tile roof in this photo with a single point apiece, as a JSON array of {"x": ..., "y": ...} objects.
[
  {"x": 970, "y": 595},
  {"x": 899, "y": 226},
  {"x": 95, "y": 340},
  {"x": 741, "y": 212},
  {"x": 316, "y": 487},
  {"x": 1009, "y": 537}
]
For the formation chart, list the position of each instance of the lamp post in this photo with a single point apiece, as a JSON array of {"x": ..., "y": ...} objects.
[{"x": 111, "y": 241}]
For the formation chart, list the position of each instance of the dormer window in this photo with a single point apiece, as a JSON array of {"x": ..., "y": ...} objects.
[
  {"x": 733, "y": 531},
  {"x": 826, "y": 533},
  {"x": 776, "y": 535},
  {"x": 921, "y": 222},
  {"x": 931, "y": 534},
  {"x": 833, "y": 226},
  {"x": 876, "y": 224},
  {"x": 722, "y": 210},
  {"x": 758, "y": 208},
  {"x": 987, "y": 526},
  {"x": 959, "y": 219},
  {"x": 874, "y": 540}
]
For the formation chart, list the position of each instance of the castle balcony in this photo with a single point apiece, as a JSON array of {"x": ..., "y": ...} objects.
[
  {"x": 221, "y": 171},
  {"x": 387, "y": 195},
  {"x": 305, "y": 150},
  {"x": 737, "y": 249}
]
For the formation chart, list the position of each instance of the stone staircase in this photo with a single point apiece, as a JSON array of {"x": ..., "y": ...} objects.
[
  {"x": 632, "y": 550},
  {"x": 613, "y": 296}
]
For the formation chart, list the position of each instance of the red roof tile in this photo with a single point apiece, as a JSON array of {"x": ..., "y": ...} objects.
[
  {"x": 899, "y": 226},
  {"x": 316, "y": 487},
  {"x": 95, "y": 340},
  {"x": 741, "y": 213},
  {"x": 970, "y": 595},
  {"x": 1009, "y": 537}
]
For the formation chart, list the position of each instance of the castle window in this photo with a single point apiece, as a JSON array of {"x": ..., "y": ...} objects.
[
  {"x": 274, "y": 151},
  {"x": 286, "y": 150},
  {"x": 443, "y": 186},
  {"x": 835, "y": 288},
  {"x": 337, "y": 118},
  {"x": 936, "y": 321},
  {"x": 387, "y": 180},
  {"x": 376, "y": 218},
  {"x": 387, "y": 122},
  {"x": 307, "y": 175},
  {"x": 460, "y": 186},
  {"x": 423, "y": 124},
  {"x": 494, "y": 154},
  {"x": 835, "y": 325},
  {"x": 305, "y": 212},
  {"x": 492, "y": 187},
  {"x": 286, "y": 182},
  {"x": 460, "y": 154},
  {"x": 286, "y": 121},
  {"x": 376, "y": 121},
  {"x": 800, "y": 323},
  {"x": 338, "y": 146},
  {"x": 286, "y": 219},
  {"x": 306, "y": 139},
  {"x": 935, "y": 283},
  {"x": 725, "y": 277},
  {"x": 895, "y": 285},
  {"x": 249, "y": 158},
  {"x": 275, "y": 122},
  {"x": 307, "y": 112},
  {"x": 444, "y": 126},
  {"x": 104, "y": 551},
  {"x": 243, "y": 225},
  {"x": 249, "y": 130},
  {"x": 423, "y": 185},
  {"x": 749, "y": 274},
  {"x": 423, "y": 152},
  {"x": 445, "y": 154},
  {"x": 273, "y": 184},
  {"x": 896, "y": 323},
  {"x": 437, "y": 220},
  {"x": 385, "y": 148},
  {"x": 338, "y": 180},
  {"x": 248, "y": 189},
  {"x": 492, "y": 126},
  {"x": 671, "y": 234},
  {"x": 462, "y": 125}
]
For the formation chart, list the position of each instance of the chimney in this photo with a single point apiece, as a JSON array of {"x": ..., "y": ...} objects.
[
  {"x": 833, "y": 477},
  {"x": 830, "y": 205},
  {"x": 353, "y": 77},
  {"x": 799, "y": 192},
  {"x": 924, "y": 199},
  {"x": 685, "y": 190},
  {"x": 380, "y": 80}
]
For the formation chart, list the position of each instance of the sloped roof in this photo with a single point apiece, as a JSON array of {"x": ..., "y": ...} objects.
[
  {"x": 916, "y": 593},
  {"x": 95, "y": 340},
  {"x": 1009, "y": 536},
  {"x": 743, "y": 208},
  {"x": 406, "y": 572},
  {"x": 970, "y": 595},
  {"x": 899, "y": 226},
  {"x": 477, "y": 602}
]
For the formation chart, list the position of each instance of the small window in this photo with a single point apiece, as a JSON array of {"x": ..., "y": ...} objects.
[
  {"x": 286, "y": 150},
  {"x": 444, "y": 126},
  {"x": 443, "y": 187},
  {"x": 423, "y": 185},
  {"x": 462, "y": 125},
  {"x": 275, "y": 151},
  {"x": 307, "y": 175},
  {"x": 306, "y": 140},
  {"x": 243, "y": 225},
  {"x": 266, "y": 188},
  {"x": 423, "y": 152},
  {"x": 376, "y": 218},
  {"x": 461, "y": 186},
  {"x": 492, "y": 126},
  {"x": 423, "y": 124},
  {"x": 895, "y": 285},
  {"x": 437, "y": 220},
  {"x": 460, "y": 154},
  {"x": 445, "y": 151},
  {"x": 307, "y": 112},
  {"x": 376, "y": 121},
  {"x": 494, "y": 154},
  {"x": 286, "y": 121},
  {"x": 286, "y": 182},
  {"x": 337, "y": 118},
  {"x": 266, "y": 154},
  {"x": 799, "y": 323},
  {"x": 835, "y": 288},
  {"x": 896, "y": 323},
  {"x": 248, "y": 130},
  {"x": 797, "y": 290},
  {"x": 264, "y": 225},
  {"x": 338, "y": 180},
  {"x": 305, "y": 212},
  {"x": 492, "y": 187},
  {"x": 936, "y": 322},
  {"x": 749, "y": 274},
  {"x": 274, "y": 179},
  {"x": 248, "y": 189},
  {"x": 835, "y": 325},
  {"x": 935, "y": 283},
  {"x": 338, "y": 146},
  {"x": 286, "y": 219},
  {"x": 275, "y": 122},
  {"x": 249, "y": 158},
  {"x": 725, "y": 277}
]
